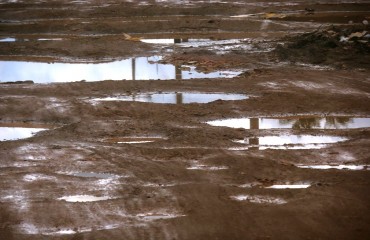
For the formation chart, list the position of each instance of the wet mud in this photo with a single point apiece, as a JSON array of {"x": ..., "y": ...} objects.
[{"x": 184, "y": 119}]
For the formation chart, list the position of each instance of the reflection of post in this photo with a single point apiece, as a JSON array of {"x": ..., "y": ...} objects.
[
  {"x": 179, "y": 99},
  {"x": 254, "y": 123},
  {"x": 178, "y": 72},
  {"x": 185, "y": 40},
  {"x": 133, "y": 65},
  {"x": 177, "y": 40}
]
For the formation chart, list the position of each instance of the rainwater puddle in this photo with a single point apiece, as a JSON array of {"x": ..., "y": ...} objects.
[
  {"x": 288, "y": 142},
  {"x": 259, "y": 199},
  {"x": 140, "y": 68},
  {"x": 291, "y": 186},
  {"x": 339, "y": 167},
  {"x": 10, "y": 131},
  {"x": 94, "y": 175},
  {"x": 294, "y": 123},
  {"x": 7, "y": 40},
  {"x": 207, "y": 168},
  {"x": 176, "y": 98},
  {"x": 133, "y": 140},
  {"x": 84, "y": 198},
  {"x": 157, "y": 216}
]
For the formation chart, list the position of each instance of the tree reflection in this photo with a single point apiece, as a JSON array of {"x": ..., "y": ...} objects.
[{"x": 315, "y": 122}]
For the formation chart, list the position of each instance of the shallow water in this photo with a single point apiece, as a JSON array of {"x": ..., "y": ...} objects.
[
  {"x": 84, "y": 198},
  {"x": 140, "y": 68},
  {"x": 339, "y": 167},
  {"x": 289, "y": 186},
  {"x": 259, "y": 199},
  {"x": 15, "y": 133},
  {"x": 176, "y": 98},
  {"x": 299, "y": 122},
  {"x": 289, "y": 142}
]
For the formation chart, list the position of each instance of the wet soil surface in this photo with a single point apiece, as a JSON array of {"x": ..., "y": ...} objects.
[{"x": 105, "y": 158}]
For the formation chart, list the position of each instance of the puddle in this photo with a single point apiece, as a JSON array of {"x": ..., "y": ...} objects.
[
  {"x": 133, "y": 140},
  {"x": 292, "y": 186},
  {"x": 38, "y": 177},
  {"x": 94, "y": 175},
  {"x": 9, "y": 132},
  {"x": 84, "y": 198},
  {"x": 339, "y": 167},
  {"x": 7, "y": 40},
  {"x": 176, "y": 98},
  {"x": 294, "y": 123},
  {"x": 288, "y": 142},
  {"x": 259, "y": 199},
  {"x": 207, "y": 168},
  {"x": 140, "y": 68},
  {"x": 157, "y": 216}
]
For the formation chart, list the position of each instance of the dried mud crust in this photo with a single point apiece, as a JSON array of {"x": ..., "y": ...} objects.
[{"x": 339, "y": 46}]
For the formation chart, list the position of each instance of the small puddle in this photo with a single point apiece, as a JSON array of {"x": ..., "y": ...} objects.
[
  {"x": 7, "y": 40},
  {"x": 140, "y": 68},
  {"x": 10, "y": 131},
  {"x": 157, "y": 216},
  {"x": 84, "y": 198},
  {"x": 259, "y": 199},
  {"x": 339, "y": 167},
  {"x": 176, "y": 98},
  {"x": 207, "y": 168},
  {"x": 133, "y": 140},
  {"x": 94, "y": 175},
  {"x": 292, "y": 186},
  {"x": 288, "y": 142},
  {"x": 294, "y": 123}
]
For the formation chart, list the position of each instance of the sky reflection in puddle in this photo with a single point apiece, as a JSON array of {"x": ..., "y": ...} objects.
[
  {"x": 339, "y": 167},
  {"x": 288, "y": 142},
  {"x": 294, "y": 123},
  {"x": 259, "y": 199},
  {"x": 140, "y": 68},
  {"x": 176, "y": 98},
  {"x": 15, "y": 133},
  {"x": 84, "y": 198},
  {"x": 291, "y": 186}
]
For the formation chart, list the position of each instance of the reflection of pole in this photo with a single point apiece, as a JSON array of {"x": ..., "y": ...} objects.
[
  {"x": 254, "y": 123},
  {"x": 179, "y": 99},
  {"x": 133, "y": 65},
  {"x": 177, "y": 40},
  {"x": 178, "y": 73},
  {"x": 185, "y": 40}
]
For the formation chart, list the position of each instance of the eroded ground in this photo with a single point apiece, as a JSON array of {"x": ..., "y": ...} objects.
[{"x": 246, "y": 136}]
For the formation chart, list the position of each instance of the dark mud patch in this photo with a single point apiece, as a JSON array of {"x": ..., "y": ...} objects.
[{"x": 341, "y": 47}]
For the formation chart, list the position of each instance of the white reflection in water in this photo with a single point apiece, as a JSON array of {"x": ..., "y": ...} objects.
[
  {"x": 294, "y": 123},
  {"x": 7, "y": 40},
  {"x": 83, "y": 198},
  {"x": 289, "y": 142},
  {"x": 176, "y": 98},
  {"x": 339, "y": 167},
  {"x": 292, "y": 186},
  {"x": 259, "y": 199},
  {"x": 141, "y": 68},
  {"x": 14, "y": 133}
]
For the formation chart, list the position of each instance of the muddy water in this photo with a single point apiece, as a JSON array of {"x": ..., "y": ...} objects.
[
  {"x": 15, "y": 133},
  {"x": 288, "y": 142},
  {"x": 140, "y": 68},
  {"x": 294, "y": 123},
  {"x": 176, "y": 98}
]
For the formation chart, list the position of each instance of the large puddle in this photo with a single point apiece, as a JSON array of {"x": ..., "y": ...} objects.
[
  {"x": 288, "y": 142},
  {"x": 140, "y": 68},
  {"x": 338, "y": 167},
  {"x": 9, "y": 132},
  {"x": 294, "y": 123},
  {"x": 175, "y": 98}
]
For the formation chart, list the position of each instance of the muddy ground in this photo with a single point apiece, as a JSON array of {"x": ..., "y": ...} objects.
[{"x": 185, "y": 183}]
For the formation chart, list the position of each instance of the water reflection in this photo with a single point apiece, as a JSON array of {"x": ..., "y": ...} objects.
[
  {"x": 140, "y": 68},
  {"x": 15, "y": 133},
  {"x": 294, "y": 123},
  {"x": 288, "y": 142},
  {"x": 175, "y": 98}
]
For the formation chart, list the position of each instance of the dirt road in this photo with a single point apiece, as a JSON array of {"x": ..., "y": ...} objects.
[{"x": 184, "y": 119}]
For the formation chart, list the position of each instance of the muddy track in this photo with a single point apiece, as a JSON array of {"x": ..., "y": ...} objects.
[{"x": 244, "y": 136}]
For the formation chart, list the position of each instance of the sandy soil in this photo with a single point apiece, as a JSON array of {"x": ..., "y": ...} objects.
[{"x": 188, "y": 181}]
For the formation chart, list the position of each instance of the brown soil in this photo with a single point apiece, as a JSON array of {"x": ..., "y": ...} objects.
[{"x": 155, "y": 195}]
